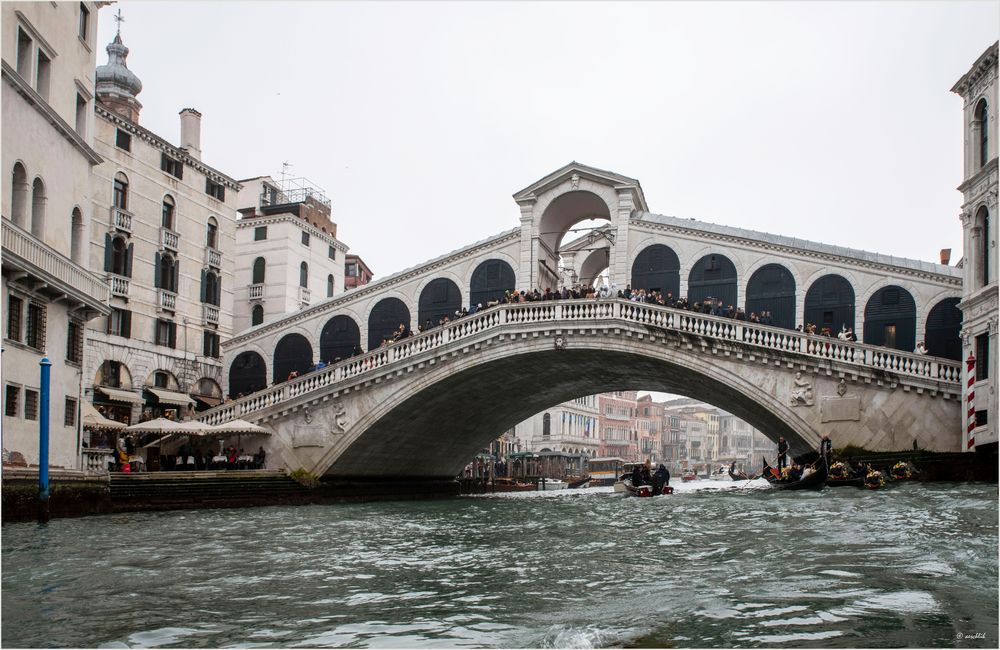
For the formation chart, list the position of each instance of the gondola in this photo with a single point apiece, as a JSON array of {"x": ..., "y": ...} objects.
[
  {"x": 644, "y": 490},
  {"x": 814, "y": 481},
  {"x": 841, "y": 475},
  {"x": 740, "y": 476},
  {"x": 579, "y": 483}
]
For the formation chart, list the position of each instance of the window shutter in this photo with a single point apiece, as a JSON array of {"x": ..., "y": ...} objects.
[
  {"x": 128, "y": 260},
  {"x": 108, "y": 253},
  {"x": 218, "y": 293},
  {"x": 173, "y": 335},
  {"x": 156, "y": 272},
  {"x": 177, "y": 266},
  {"x": 204, "y": 295},
  {"x": 126, "y": 324}
]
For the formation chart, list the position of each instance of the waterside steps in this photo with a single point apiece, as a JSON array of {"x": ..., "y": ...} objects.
[{"x": 184, "y": 490}]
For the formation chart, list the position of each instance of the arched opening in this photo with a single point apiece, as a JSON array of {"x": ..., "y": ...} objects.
[
  {"x": 891, "y": 319},
  {"x": 385, "y": 319},
  {"x": 247, "y": 374},
  {"x": 78, "y": 242},
  {"x": 19, "y": 196},
  {"x": 38, "y": 200},
  {"x": 304, "y": 275},
  {"x": 657, "y": 268},
  {"x": 982, "y": 117},
  {"x": 119, "y": 196},
  {"x": 329, "y": 286},
  {"x": 490, "y": 281},
  {"x": 546, "y": 425},
  {"x": 167, "y": 213},
  {"x": 207, "y": 394},
  {"x": 771, "y": 291},
  {"x": 257, "y": 315},
  {"x": 592, "y": 270},
  {"x": 830, "y": 303},
  {"x": 166, "y": 273},
  {"x": 259, "y": 266},
  {"x": 713, "y": 276},
  {"x": 117, "y": 257},
  {"x": 340, "y": 339},
  {"x": 942, "y": 334},
  {"x": 982, "y": 263},
  {"x": 559, "y": 218},
  {"x": 211, "y": 288},
  {"x": 212, "y": 233},
  {"x": 292, "y": 354},
  {"x": 441, "y": 297}
]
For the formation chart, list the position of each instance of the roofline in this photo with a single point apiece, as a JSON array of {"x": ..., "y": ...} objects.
[{"x": 981, "y": 65}]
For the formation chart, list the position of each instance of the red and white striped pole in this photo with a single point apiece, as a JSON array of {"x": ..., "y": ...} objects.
[{"x": 970, "y": 399}]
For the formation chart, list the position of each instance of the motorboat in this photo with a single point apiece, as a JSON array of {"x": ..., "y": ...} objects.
[
  {"x": 689, "y": 476},
  {"x": 720, "y": 474},
  {"x": 547, "y": 484},
  {"x": 644, "y": 490}
]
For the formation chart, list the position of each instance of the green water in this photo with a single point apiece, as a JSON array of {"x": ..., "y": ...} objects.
[{"x": 911, "y": 566}]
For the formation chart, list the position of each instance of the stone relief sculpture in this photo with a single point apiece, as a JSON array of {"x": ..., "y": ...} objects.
[
  {"x": 560, "y": 343},
  {"x": 841, "y": 387},
  {"x": 802, "y": 394},
  {"x": 340, "y": 422}
]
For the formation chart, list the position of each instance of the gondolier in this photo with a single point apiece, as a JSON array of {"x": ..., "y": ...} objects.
[
  {"x": 782, "y": 453},
  {"x": 826, "y": 449}
]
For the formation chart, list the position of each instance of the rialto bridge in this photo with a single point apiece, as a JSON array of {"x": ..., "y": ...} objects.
[{"x": 424, "y": 405}]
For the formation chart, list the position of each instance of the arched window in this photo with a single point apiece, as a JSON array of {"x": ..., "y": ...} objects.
[
  {"x": 304, "y": 275},
  {"x": 168, "y": 212},
  {"x": 257, "y": 315},
  {"x": 258, "y": 270},
  {"x": 657, "y": 268},
  {"x": 38, "y": 208},
  {"x": 212, "y": 235},
  {"x": 120, "y": 195},
  {"x": 340, "y": 339},
  {"x": 117, "y": 260},
  {"x": 983, "y": 222},
  {"x": 546, "y": 425},
  {"x": 166, "y": 272},
  {"x": 329, "y": 286},
  {"x": 983, "y": 120},
  {"x": 211, "y": 290},
  {"x": 247, "y": 374},
  {"x": 19, "y": 197},
  {"x": 891, "y": 319},
  {"x": 77, "y": 240}
]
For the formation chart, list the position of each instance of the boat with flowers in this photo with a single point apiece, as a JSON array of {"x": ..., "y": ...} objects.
[
  {"x": 842, "y": 475},
  {"x": 902, "y": 471},
  {"x": 783, "y": 481},
  {"x": 874, "y": 479}
]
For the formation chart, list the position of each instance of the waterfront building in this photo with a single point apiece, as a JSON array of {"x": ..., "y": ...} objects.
[
  {"x": 571, "y": 427},
  {"x": 163, "y": 234},
  {"x": 649, "y": 427},
  {"x": 979, "y": 90},
  {"x": 618, "y": 425},
  {"x": 356, "y": 272},
  {"x": 49, "y": 294},
  {"x": 288, "y": 253}
]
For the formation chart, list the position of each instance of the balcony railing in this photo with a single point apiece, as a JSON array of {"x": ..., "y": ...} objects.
[
  {"x": 121, "y": 219},
  {"x": 255, "y": 291},
  {"x": 168, "y": 300},
  {"x": 119, "y": 285},
  {"x": 304, "y": 295},
  {"x": 169, "y": 239},
  {"x": 211, "y": 314},
  {"x": 213, "y": 258},
  {"x": 96, "y": 460}
]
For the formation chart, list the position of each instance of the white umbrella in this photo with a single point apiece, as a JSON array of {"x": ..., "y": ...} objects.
[
  {"x": 237, "y": 426},
  {"x": 164, "y": 426},
  {"x": 92, "y": 419}
]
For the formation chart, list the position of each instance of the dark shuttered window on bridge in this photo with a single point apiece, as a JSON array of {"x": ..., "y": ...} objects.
[
  {"x": 772, "y": 289},
  {"x": 247, "y": 374},
  {"x": 713, "y": 276},
  {"x": 891, "y": 319},
  {"x": 944, "y": 323},
  {"x": 385, "y": 319},
  {"x": 292, "y": 354},
  {"x": 441, "y": 297},
  {"x": 830, "y": 303},
  {"x": 489, "y": 282},
  {"x": 657, "y": 268},
  {"x": 339, "y": 339}
]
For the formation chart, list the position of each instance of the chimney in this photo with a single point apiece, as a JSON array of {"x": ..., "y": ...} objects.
[
  {"x": 945, "y": 256},
  {"x": 191, "y": 132}
]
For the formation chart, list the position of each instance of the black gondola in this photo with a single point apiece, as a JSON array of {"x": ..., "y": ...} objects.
[
  {"x": 739, "y": 476},
  {"x": 814, "y": 481},
  {"x": 844, "y": 476}
]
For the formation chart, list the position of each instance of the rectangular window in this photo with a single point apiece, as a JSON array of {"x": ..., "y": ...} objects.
[
  {"x": 123, "y": 140},
  {"x": 305, "y": 238},
  {"x": 214, "y": 189},
  {"x": 260, "y": 233},
  {"x": 166, "y": 333},
  {"x": 30, "y": 404},
  {"x": 331, "y": 253},
  {"x": 42, "y": 75},
  {"x": 211, "y": 345},
  {"x": 981, "y": 419},
  {"x": 120, "y": 322},
  {"x": 84, "y": 21},
  {"x": 81, "y": 115},
  {"x": 74, "y": 342},
  {"x": 12, "y": 401},
  {"x": 14, "y": 311},
  {"x": 69, "y": 418},
  {"x": 352, "y": 270},
  {"x": 111, "y": 374},
  {"x": 34, "y": 331},
  {"x": 983, "y": 357},
  {"x": 23, "y": 55},
  {"x": 160, "y": 379},
  {"x": 173, "y": 167}
]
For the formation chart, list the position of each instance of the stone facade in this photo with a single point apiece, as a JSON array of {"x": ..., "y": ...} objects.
[
  {"x": 979, "y": 91},
  {"x": 49, "y": 294},
  {"x": 571, "y": 427}
]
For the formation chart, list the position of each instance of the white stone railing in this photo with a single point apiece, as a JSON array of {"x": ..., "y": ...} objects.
[
  {"x": 121, "y": 219},
  {"x": 96, "y": 460},
  {"x": 21, "y": 244},
  {"x": 168, "y": 300},
  {"x": 255, "y": 291},
  {"x": 552, "y": 313},
  {"x": 169, "y": 239},
  {"x": 213, "y": 258},
  {"x": 119, "y": 285},
  {"x": 211, "y": 314}
]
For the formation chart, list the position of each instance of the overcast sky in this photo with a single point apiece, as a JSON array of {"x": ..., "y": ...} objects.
[{"x": 829, "y": 122}]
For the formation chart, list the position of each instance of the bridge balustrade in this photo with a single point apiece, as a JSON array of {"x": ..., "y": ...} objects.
[{"x": 666, "y": 318}]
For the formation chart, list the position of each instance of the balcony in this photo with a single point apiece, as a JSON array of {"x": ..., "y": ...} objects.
[
  {"x": 255, "y": 291},
  {"x": 213, "y": 258},
  {"x": 119, "y": 285},
  {"x": 169, "y": 239},
  {"x": 304, "y": 295},
  {"x": 121, "y": 219},
  {"x": 210, "y": 314},
  {"x": 168, "y": 300}
]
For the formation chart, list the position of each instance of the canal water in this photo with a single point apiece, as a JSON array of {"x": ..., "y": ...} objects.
[{"x": 914, "y": 565}]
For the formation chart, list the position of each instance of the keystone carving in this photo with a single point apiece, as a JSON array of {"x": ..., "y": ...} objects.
[
  {"x": 560, "y": 343},
  {"x": 574, "y": 181},
  {"x": 802, "y": 393}
]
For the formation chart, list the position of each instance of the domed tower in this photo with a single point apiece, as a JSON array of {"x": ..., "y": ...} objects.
[{"x": 117, "y": 86}]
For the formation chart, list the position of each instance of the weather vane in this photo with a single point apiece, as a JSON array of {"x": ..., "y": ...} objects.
[{"x": 118, "y": 19}]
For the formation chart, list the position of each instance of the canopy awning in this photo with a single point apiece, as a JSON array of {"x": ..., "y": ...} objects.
[
  {"x": 118, "y": 395},
  {"x": 207, "y": 400},
  {"x": 238, "y": 427},
  {"x": 93, "y": 420},
  {"x": 170, "y": 397}
]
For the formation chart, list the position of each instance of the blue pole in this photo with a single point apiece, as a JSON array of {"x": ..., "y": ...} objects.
[{"x": 43, "y": 440}]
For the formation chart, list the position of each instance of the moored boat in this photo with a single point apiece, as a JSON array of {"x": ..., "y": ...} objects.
[
  {"x": 547, "y": 484},
  {"x": 875, "y": 480},
  {"x": 814, "y": 481},
  {"x": 841, "y": 475},
  {"x": 689, "y": 476},
  {"x": 902, "y": 471},
  {"x": 581, "y": 482}
]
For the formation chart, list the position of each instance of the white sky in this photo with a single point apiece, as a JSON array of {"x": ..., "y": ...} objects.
[{"x": 830, "y": 122}]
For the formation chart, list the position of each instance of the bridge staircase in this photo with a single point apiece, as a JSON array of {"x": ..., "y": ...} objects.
[{"x": 192, "y": 490}]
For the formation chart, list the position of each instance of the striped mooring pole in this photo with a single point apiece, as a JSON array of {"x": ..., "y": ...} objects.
[
  {"x": 43, "y": 440},
  {"x": 970, "y": 398}
]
